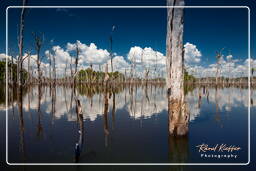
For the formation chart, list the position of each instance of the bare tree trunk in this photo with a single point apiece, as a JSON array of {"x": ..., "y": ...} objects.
[
  {"x": 76, "y": 63},
  {"x": 71, "y": 71},
  {"x": 38, "y": 68},
  {"x": 218, "y": 57},
  {"x": 20, "y": 44},
  {"x": 19, "y": 77},
  {"x": 50, "y": 70},
  {"x": 28, "y": 69},
  {"x": 217, "y": 74},
  {"x": 106, "y": 75},
  {"x": 66, "y": 67},
  {"x": 146, "y": 76},
  {"x": 111, "y": 55},
  {"x": 38, "y": 44},
  {"x": 11, "y": 70},
  {"x": 177, "y": 109},
  {"x": 80, "y": 120},
  {"x": 54, "y": 69},
  {"x": 131, "y": 75}
]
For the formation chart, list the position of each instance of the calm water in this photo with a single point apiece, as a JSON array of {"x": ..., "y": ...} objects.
[{"x": 130, "y": 126}]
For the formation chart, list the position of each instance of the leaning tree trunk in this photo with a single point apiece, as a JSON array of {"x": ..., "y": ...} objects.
[{"x": 178, "y": 114}]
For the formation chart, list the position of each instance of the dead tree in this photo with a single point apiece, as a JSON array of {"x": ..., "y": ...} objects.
[
  {"x": 11, "y": 76},
  {"x": 155, "y": 68},
  {"x": 77, "y": 57},
  {"x": 111, "y": 46},
  {"x": 20, "y": 44},
  {"x": 38, "y": 44},
  {"x": 80, "y": 142},
  {"x": 147, "y": 70},
  {"x": 50, "y": 67},
  {"x": 106, "y": 78},
  {"x": 29, "y": 76},
  {"x": 178, "y": 114},
  {"x": 133, "y": 67},
  {"x": 71, "y": 69},
  {"x": 218, "y": 58},
  {"x": 66, "y": 67},
  {"x": 54, "y": 67},
  {"x": 252, "y": 72},
  {"x": 22, "y": 60},
  {"x": 76, "y": 63}
]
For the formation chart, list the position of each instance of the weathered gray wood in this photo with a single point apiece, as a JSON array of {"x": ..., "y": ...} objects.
[{"x": 177, "y": 109}]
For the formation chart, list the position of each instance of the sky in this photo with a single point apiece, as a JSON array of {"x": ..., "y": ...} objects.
[{"x": 139, "y": 35}]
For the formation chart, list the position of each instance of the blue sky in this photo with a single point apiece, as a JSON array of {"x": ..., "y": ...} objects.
[{"x": 208, "y": 29}]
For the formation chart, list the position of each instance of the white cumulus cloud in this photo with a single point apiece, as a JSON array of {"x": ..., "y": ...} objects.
[
  {"x": 192, "y": 54},
  {"x": 89, "y": 54}
]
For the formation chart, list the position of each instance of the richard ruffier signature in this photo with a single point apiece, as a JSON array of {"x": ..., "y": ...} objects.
[{"x": 218, "y": 148}]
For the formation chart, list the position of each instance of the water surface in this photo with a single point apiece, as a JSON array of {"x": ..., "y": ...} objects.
[{"x": 123, "y": 125}]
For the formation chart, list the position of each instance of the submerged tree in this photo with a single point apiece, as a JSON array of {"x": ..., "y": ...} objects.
[
  {"x": 218, "y": 58},
  {"x": 111, "y": 46},
  {"x": 80, "y": 120},
  {"x": 20, "y": 43},
  {"x": 38, "y": 44},
  {"x": 20, "y": 78},
  {"x": 76, "y": 64},
  {"x": 178, "y": 114}
]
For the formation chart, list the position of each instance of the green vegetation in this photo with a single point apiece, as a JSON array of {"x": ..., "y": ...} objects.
[
  {"x": 188, "y": 77},
  {"x": 2, "y": 71},
  {"x": 12, "y": 68},
  {"x": 2, "y": 93},
  {"x": 90, "y": 91},
  {"x": 98, "y": 76}
]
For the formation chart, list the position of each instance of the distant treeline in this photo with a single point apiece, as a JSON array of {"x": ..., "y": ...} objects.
[
  {"x": 98, "y": 76},
  {"x": 92, "y": 76},
  {"x": 12, "y": 72}
]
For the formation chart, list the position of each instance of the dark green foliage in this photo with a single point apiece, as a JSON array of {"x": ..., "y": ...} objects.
[
  {"x": 91, "y": 75},
  {"x": 2, "y": 70},
  {"x": 2, "y": 93},
  {"x": 14, "y": 73},
  {"x": 90, "y": 91},
  {"x": 188, "y": 77}
]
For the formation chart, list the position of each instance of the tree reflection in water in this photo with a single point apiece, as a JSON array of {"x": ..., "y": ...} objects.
[
  {"x": 39, "y": 124},
  {"x": 178, "y": 149},
  {"x": 113, "y": 110},
  {"x": 21, "y": 123},
  {"x": 217, "y": 114},
  {"x": 141, "y": 105},
  {"x": 106, "y": 129}
]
